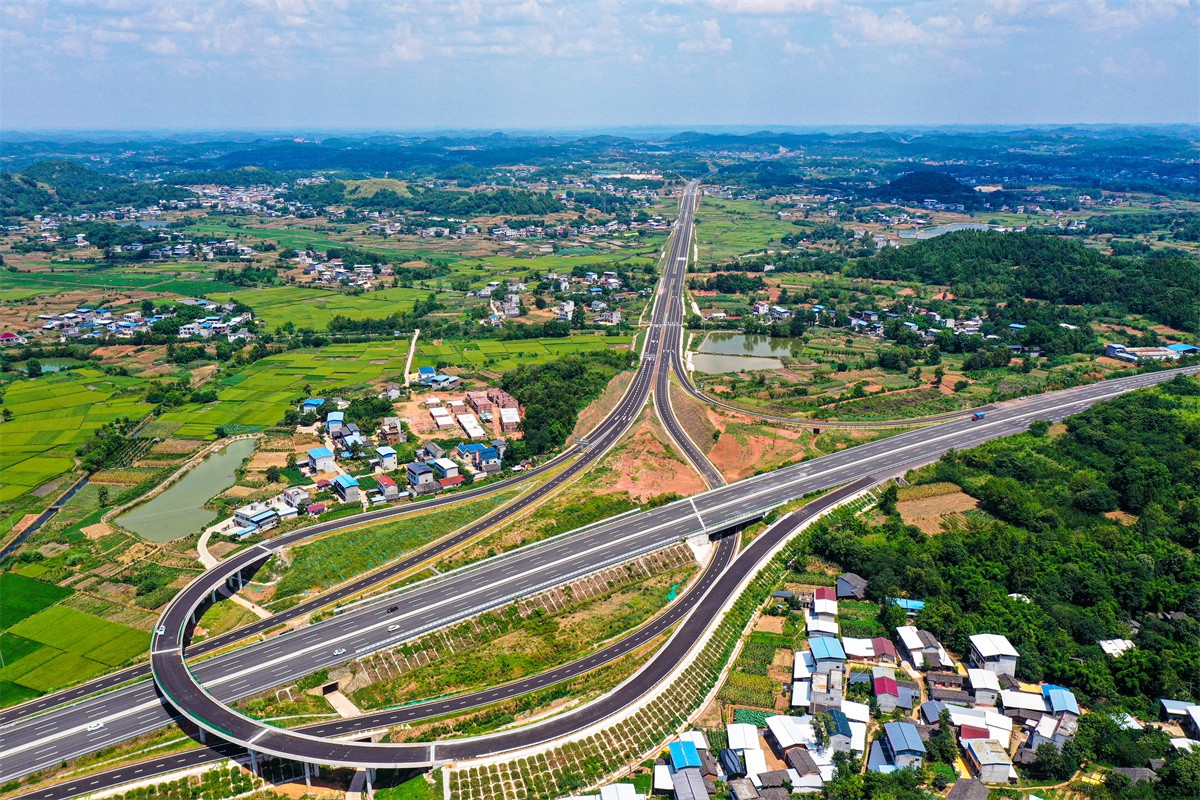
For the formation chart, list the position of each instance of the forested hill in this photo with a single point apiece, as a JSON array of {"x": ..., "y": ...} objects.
[
  {"x": 61, "y": 186},
  {"x": 510, "y": 202},
  {"x": 933, "y": 185},
  {"x": 1097, "y": 526},
  {"x": 990, "y": 265}
]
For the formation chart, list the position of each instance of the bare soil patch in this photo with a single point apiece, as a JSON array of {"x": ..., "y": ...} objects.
[
  {"x": 96, "y": 531},
  {"x": 646, "y": 466},
  {"x": 1123, "y": 517},
  {"x": 769, "y": 624},
  {"x": 261, "y": 460},
  {"x": 929, "y": 513}
]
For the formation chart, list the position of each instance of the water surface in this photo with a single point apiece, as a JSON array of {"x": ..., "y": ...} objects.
[
  {"x": 180, "y": 510},
  {"x": 744, "y": 344}
]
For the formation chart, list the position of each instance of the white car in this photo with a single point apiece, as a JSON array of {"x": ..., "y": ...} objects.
[
  {"x": 392, "y": 628},
  {"x": 341, "y": 651},
  {"x": 94, "y": 726},
  {"x": 160, "y": 630}
]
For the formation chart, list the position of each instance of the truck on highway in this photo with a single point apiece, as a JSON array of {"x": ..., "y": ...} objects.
[{"x": 978, "y": 415}]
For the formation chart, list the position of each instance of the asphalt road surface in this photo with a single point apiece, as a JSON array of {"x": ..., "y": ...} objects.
[
  {"x": 528, "y": 570},
  {"x": 57, "y": 735},
  {"x": 670, "y": 302}
]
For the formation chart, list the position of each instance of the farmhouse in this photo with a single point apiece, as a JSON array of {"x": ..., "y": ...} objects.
[
  {"x": 993, "y": 652},
  {"x": 253, "y": 518},
  {"x": 387, "y": 458},
  {"x": 420, "y": 478},
  {"x": 347, "y": 489},
  {"x": 320, "y": 459}
]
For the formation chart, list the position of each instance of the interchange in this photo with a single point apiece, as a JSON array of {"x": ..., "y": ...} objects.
[{"x": 526, "y": 569}]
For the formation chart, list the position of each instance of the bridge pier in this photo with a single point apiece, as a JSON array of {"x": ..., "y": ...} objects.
[
  {"x": 253, "y": 761},
  {"x": 307, "y": 775}
]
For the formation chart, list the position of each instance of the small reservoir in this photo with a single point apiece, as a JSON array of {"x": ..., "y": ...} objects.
[
  {"x": 739, "y": 352},
  {"x": 179, "y": 511}
]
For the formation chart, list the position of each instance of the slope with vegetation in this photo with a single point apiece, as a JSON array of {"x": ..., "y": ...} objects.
[{"x": 983, "y": 264}]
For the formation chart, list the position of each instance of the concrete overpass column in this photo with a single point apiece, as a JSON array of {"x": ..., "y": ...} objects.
[
  {"x": 203, "y": 736},
  {"x": 370, "y": 782},
  {"x": 253, "y": 761},
  {"x": 307, "y": 775}
]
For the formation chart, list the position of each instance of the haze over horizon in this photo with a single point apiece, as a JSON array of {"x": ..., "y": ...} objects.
[{"x": 532, "y": 65}]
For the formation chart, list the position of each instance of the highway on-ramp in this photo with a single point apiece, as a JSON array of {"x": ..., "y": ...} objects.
[{"x": 528, "y": 570}]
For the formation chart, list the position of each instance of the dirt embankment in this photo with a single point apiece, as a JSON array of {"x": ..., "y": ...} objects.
[{"x": 646, "y": 465}]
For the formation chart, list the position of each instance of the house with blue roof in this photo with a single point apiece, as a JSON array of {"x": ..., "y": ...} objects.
[
  {"x": 684, "y": 755},
  {"x": 840, "y": 735},
  {"x": 387, "y": 458},
  {"x": 1060, "y": 700},
  {"x": 466, "y": 451},
  {"x": 311, "y": 405},
  {"x": 902, "y": 744},
  {"x": 334, "y": 419},
  {"x": 347, "y": 489},
  {"x": 320, "y": 459},
  {"x": 421, "y": 478},
  {"x": 828, "y": 652},
  {"x": 253, "y": 518},
  {"x": 1184, "y": 349},
  {"x": 909, "y": 607}
]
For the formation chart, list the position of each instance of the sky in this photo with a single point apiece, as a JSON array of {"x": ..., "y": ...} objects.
[{"x": 539, "y": 64}]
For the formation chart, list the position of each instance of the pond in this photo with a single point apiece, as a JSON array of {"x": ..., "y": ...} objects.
[
  {"x": 179, "y": 511},
  {"x": 740, "y": 352},
  {"x": 743, "y": 344}
]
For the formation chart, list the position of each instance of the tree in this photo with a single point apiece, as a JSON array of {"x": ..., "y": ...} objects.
[
  {"x": 102, "y": 496},
  {"x": 888, "y": 499},
  {"x": 33, "y": 368},
  {"x": 291, "y": 460},
  {"x": 1039, "y": 428},
  {"x": 578, "y": 318},
  {"x": 961, "y": 385},
  {"x": 273, "y": 474}
]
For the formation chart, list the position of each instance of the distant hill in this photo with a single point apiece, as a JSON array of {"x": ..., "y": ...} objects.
[
  {"x": 928, "y": 185},
  {"x": 59, "y": 185}
]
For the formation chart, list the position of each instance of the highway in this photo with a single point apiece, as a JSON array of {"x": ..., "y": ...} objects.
[
  {"x": 454, "y": 596},
  {"x": 528, "y": 570},
  {"x": 670, "y": 303},
  {"x": 31, "y": 744},
  {"x": 18, "y": 725}
]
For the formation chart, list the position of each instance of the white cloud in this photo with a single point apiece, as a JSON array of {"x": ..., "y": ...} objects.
[
  {"x": 705, "y": 37},
  {"x": 773, "y": 6},
  {"x": 163, "y": 46}
]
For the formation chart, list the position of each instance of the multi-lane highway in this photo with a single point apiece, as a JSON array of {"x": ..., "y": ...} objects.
[
  {"x": 669, "y": 308},
  {"x": 529, "y": 569},
  {"x": 32, "y": 744},
  {"x": 60, "y": 736}
]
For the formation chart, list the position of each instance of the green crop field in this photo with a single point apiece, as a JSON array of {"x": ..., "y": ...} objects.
[
  {"x": 176, "y": 279},
  {"x": 22, "y": 597},
  {"x": 315, "y": 308},
  {"x": 729, "y": 228},
  {"x": 333, "y": 559},
  {"x": 286, "y": 238},
  {"x": 52, "y": 415},
  {"x": 46, "y": 646},
  {"x": 503, "y": 356},
  {"x": 257, "y": 395}
]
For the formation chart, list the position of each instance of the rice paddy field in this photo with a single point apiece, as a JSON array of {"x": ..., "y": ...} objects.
[
  {"x": 256, "y": 396},
  {"x": 496, "y": 356},
  {"x": 52, "y": 415},
  {"x": 315, "y": 308},
  {"x": 173, "y": 278},
  {"x": 46, "y": 646},
  {"x": 726, "y": 229}
]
